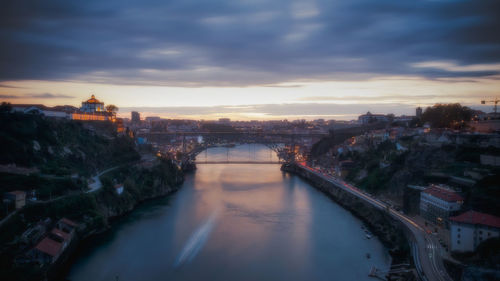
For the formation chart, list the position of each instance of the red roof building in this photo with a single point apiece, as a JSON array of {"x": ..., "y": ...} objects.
[
  {"x": 442, "y": 193},
  {"x": 61, "y": 234},
  {"x": 473, "y": 217},
  {"x": 470, "y": 229},
  {"x": 68, "y": 222},
  {"x": 438, "y": 203},
  {"x": 50, "y": 247}
]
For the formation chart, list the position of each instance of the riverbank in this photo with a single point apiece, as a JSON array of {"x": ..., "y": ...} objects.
[
  {"x": 389, "y": 231},
  {"x": 113, "y": 212},
  {"x": 60, "y": 271},
  {"x": 93, "y": 213}
]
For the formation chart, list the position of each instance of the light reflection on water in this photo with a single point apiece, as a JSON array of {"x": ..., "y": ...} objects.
[{"x": 235, "y": 222}]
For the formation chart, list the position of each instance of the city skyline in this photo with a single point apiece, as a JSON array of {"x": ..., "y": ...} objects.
[{"x": 252, "y": 60}]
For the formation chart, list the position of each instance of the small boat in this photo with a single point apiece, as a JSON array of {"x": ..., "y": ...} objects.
[
  {"x": 368, "y": 255},
  {"x": 368, "y": 236}
]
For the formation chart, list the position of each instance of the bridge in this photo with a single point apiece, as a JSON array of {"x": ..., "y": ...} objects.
[
  {"x": 283, "y": 143},
  {"x": 234, "y": 136},
  {"x": 238, "y": 162}
]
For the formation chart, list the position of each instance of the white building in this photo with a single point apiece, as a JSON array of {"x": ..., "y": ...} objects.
[
  {"x": 119, "y": 189},
  {"x": 40, "y": 110},
  {"x": 372, "y": 118},
  {"x": 471, "y": 228},
  {"x": 437, "y": 203},
  {"x": 92, "y": 105}
]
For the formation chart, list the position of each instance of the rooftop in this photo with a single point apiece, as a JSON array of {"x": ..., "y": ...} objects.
[
  {"x": 17, "y": 192},
  {"x": 49, "y": 247},
  {"x": 443, "y": 193},
  {"x": 93, "y": 100},
  {"x": 65, "y": 236},
  {"x": 68, "y": 222},
  {"x": 473, "y": 217}
]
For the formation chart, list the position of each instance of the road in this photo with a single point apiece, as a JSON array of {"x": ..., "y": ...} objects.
[
  {"x": 96, "y": 182},
  {"x": 426, "y": 250}
]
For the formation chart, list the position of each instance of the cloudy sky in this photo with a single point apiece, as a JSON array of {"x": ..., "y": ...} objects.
[{"x": 251, "y": 59}]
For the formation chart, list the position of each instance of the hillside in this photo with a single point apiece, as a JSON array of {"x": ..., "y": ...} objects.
[
  {"x": 54, "y": 159},
  {"x": 61, "y": 147}
]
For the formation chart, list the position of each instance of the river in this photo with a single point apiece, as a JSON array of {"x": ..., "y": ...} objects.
[{"x": 234, "y": 222}]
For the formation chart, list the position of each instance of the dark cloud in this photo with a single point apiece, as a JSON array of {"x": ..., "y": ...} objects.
[
  {"x": 227, "y": 42},
  {"x": 10, "y": 87},
  {"x": 49, "y": 96},
  {"x": 38, "y": 96},
  {"x": 8, "y": 96}
]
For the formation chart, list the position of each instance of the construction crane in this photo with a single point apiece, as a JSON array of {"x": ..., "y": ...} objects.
[{"x": 492, "y": 101}]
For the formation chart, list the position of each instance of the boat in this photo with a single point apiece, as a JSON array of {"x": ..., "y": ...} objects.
[
  {"x": 368, "y": 236},
  {"x": 368, "y": 255}
]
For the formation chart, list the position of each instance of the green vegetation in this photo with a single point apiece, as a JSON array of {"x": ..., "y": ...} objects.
[
  {"x": 339, "y": 136},
  {"x": 45, "y": 187},
  {"x": 447, "y": 115},
  {"x": 61, "y": 155},
  {"x": 62, "y": 147},
  {"x": 487, "y": 254},
  {"x": 377, "y": 175}
]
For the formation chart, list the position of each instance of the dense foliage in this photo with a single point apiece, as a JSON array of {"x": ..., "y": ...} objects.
[
  {"x": 447, "y": 115},
  {"x": 61, "y": 147}
]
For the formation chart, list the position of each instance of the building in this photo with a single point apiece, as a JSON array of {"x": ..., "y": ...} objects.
[
  {"x": 119, "y": 188},
  {"x": 47, "y": 251},
  {"x": 53, "y": 245},
  {"x": 92, "y": 105},
  {"x": 225, "y": 121},
  {"x": 92, "y": 110},
  {"x": 471, "y": 228},
  {"x": 66, "y": 225},
  {"x": 136, "y": 117},
  {"x": 152, "y": 119},
  {"x": 372, "y": 118},
  {"x": 438, "y": 203},
  {"x": 18, "y": 197},
  {"x": 39, "y": 109},
  {"x": 418, "y": 112}
]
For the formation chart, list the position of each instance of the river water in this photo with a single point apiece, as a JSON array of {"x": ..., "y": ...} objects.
[{"x": 234, "y": 222}]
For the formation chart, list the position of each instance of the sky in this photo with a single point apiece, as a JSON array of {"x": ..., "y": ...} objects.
[{"x": 251, "y": 59}]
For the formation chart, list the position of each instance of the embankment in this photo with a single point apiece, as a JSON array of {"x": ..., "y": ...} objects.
[{"x": 390, "y": 231}]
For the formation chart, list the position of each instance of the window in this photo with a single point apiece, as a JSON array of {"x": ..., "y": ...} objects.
[
  {"x": 458, "y": 236},
  {"x": 458, "y": 229},
  {"x": 489, "y": 234},
  {"x": 458, "y": 241},
  {"x": 480, "y": 232}
]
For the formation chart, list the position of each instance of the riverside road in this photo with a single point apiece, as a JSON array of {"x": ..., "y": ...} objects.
[{"x": 425, "y": 249}]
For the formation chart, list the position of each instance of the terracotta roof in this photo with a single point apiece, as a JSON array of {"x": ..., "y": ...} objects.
[
  {"x": 68, "y": 222},
  {"x": 49, "y": 246},
  {"x": 17, "y": 192},
  {"x": 93, "y": 100},
  {"x": 473, "y": 217},
  {"x": 65, "y": 236},
  {"x": 443, "y": 193}
]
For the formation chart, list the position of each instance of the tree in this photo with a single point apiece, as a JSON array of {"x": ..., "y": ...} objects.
[
  {"x": 111, "y": 108},
  {"x": 5, "y": 107},
  {"x": 451, "y": 115}
]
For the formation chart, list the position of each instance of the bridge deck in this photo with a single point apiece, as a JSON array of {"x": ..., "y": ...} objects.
[{"x": 237, "y": 162}]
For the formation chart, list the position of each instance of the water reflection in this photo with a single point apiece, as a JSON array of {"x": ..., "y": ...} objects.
[{"x": 235, "y": 222}]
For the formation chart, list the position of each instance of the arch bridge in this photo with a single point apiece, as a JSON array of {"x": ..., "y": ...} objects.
[{"x": 281, "y": 142}]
